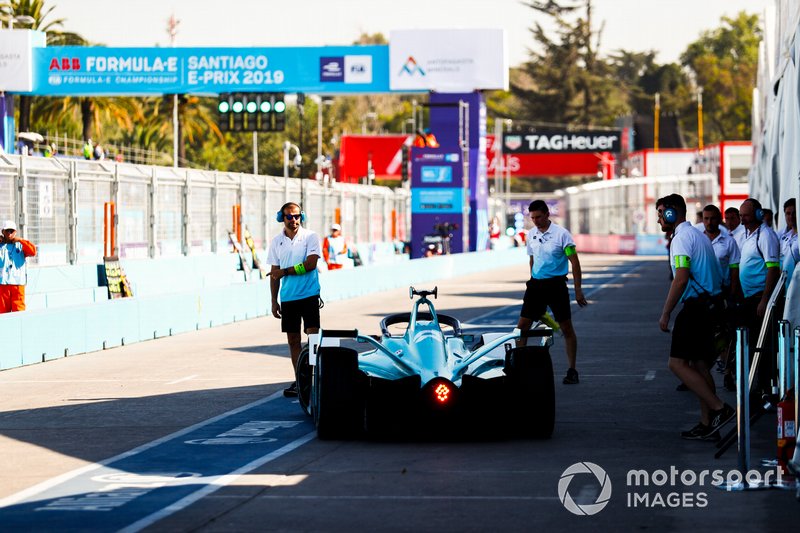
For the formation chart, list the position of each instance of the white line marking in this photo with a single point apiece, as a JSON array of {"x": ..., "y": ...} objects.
[
  {"x": 45, "y": 485},
  {"x": 650, "y": 376},
  {"x": 215, "y": 485},
  {"x": 187, "y": 378}
]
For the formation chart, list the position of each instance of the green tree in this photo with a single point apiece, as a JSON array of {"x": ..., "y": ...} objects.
[
  {"x": 724, "y": 63},
  {"x": 566, "y": 81}
]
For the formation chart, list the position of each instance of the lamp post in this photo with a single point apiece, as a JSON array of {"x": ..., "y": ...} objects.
[
  {"x": 323, "y": 101},
  {"x": 371, "y": 115},
  {"x": 656, "y": 115},
  {"x": 700, "y": 119},
  {"x": 22, "y": 19},
  {"x": 287, "y": 146}
]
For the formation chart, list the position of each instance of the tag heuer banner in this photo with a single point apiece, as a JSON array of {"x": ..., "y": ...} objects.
[{"x": 561, "y": 141}]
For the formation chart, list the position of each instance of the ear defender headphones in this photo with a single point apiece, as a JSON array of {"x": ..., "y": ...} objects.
[
  {"x": 279, "y": 216},
  {"x": 670, "y": 215}
]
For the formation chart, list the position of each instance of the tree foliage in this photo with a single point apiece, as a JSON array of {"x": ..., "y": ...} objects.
[{"x": 724, "y": 62}]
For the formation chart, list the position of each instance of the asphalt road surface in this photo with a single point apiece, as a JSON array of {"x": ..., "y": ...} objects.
[{"x": 192, "y": 433}]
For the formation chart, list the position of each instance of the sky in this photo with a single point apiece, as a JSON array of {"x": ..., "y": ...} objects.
[{"x": 666, "y": 26}]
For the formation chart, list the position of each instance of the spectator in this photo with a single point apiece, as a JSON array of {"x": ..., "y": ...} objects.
[
  {"x": 13, "y": 271},
  {"x": 293, "y": 254},
  {"x": 551, "y": 250},
  {"x": 334, "y": 248},
  {"x": 88, "y": 149},
  {"x": 696, "y": 281},
  {"x": 99, "y": 153}
]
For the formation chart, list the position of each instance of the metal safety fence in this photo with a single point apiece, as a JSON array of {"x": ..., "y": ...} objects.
[
  {"x": 58, "y": 204},
  {"x": 627, "y": 206}
]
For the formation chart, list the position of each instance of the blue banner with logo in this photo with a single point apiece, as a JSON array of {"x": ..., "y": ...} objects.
[{"x": 78, "y": 70}]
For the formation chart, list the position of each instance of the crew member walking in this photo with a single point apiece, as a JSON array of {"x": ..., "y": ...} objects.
[
  {"x": 696, "y": 283},
  {"x": 552, "y": 250}
]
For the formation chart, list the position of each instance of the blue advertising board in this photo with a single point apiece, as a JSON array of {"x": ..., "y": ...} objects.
[{"x": 79, "y": 70}]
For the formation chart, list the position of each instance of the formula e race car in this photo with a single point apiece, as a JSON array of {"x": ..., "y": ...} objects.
[{"x": 425, "y": 381}]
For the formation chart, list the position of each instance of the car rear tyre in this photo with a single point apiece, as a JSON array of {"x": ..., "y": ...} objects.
[
  {"x": 338, "y": 405},
  {"x": 532, "y": 390},
  {"x": 304, "y": 377}
]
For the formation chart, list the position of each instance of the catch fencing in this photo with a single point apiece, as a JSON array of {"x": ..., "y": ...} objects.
[{"x": 58, "y": 204}]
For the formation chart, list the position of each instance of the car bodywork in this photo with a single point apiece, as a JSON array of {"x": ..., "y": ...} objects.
[{"x": 427, "y": 379}]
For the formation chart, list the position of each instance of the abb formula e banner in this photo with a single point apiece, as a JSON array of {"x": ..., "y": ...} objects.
[
  {"x": 384, "y": 153},
  {"x": 71, "y": 70},
  {"x": 550, "y": 142},
  {"x": 448, "y": 60}
]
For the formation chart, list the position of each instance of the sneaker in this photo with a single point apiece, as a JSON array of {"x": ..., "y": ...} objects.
[
  {"x": 721, "y": 417},
  {"x": 572, "y": 377},
  {"x": 291, "y": 390},
  {"x": 682, "y": 387},
  {"x": 701, "y": 432}
]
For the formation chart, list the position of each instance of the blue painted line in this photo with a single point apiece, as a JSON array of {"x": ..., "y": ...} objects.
[{"x": 137, "y": 488}]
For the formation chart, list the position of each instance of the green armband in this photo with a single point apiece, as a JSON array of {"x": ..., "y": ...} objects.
[
  {"x": 771, "y": 264},
  {"x": 733, "y": 266},
  {"x": 683, "y": 261},
  {"x": 299, "y": 269},
  {"x": 570, "y": 250}
]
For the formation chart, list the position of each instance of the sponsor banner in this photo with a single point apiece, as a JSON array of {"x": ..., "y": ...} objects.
[
  {"x": 73, "y": 70},
  {"x": 448, "y": 60},
  {"x": 437, "y": 200},
  {"x": 562, "y": 142},
  {"x": 16, "y": 61},
  {"x": 385, "y": 153}
]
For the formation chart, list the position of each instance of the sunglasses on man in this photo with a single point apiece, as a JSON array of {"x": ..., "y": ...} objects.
[{"x": 289, "y": 217}]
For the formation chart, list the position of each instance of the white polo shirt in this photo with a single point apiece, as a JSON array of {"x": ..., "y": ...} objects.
[
  {"x": 691, "y": 249},
  {"x": 760, "y": 250},
  {"x": 738, "y": 236},
  {"x": 549, "y": 251},
  {"x": 728, "y": 255},
  {"x": 285, "y": 252},
  {"x": 790, "y": 255}
]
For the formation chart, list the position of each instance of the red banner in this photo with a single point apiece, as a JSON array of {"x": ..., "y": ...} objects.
[{"x": 383, "y": 152}]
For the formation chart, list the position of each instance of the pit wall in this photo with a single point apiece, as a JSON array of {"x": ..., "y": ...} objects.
[{"x": 69, "y": 313}]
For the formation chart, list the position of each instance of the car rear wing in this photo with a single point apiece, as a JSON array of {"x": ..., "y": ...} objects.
[{"x": 333, "y": 337}]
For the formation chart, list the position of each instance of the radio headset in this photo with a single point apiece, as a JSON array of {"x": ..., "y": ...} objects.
[
  {"x": 280, "y": 217},
  {"x": 670, "y": 215}
]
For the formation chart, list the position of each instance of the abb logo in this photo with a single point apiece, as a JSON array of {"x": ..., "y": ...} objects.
[{"x": 65, "y": 63}]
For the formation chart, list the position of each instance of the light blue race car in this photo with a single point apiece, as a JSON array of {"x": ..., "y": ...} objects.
[{"x": 426, "y": 381}]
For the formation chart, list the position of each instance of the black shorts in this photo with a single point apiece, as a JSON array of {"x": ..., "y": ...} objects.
[
  {"x": 693, "y": 332},
  {"x": 306, "y": 309},
  {"x": 543, "y": 293}
]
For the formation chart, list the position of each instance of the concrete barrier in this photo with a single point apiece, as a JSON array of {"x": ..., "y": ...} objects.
[{"x": 182, "y": 294}]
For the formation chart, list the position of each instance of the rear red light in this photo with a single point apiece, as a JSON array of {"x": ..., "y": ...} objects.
[{"x": 442, "y": 392}]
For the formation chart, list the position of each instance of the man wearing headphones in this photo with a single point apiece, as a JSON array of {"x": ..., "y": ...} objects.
[
  {"x": 696, "y": 282},
  {"x": 293, "y": 254},
  {"x": 759, "y": 270},
  {"x": 551, "y": 250}
]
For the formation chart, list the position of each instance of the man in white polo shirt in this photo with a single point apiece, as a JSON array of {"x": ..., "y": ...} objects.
[
  {"x": 551, "y": 249},
  {"x": 696, "y": 282},
  {"x": 759, "y": 271},
  {"x": 293, "y": 254}
]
